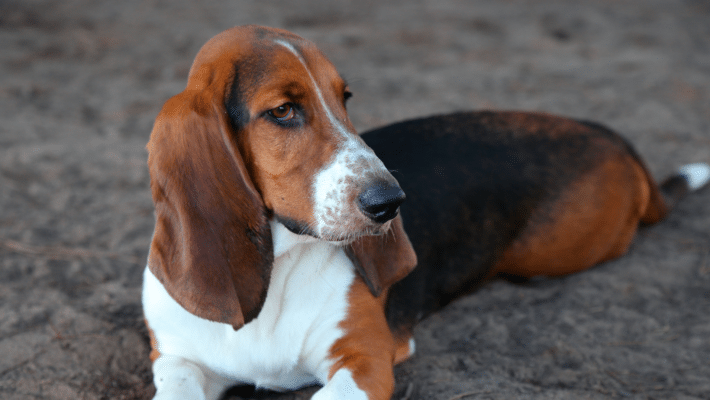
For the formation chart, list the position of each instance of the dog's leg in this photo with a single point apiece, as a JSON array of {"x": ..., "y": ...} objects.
[
  {"x": 363, "y": 358},
  {"x": 365, "y": 379},
  {"x": 178, "y": 378},
  {"x": 595, "y": 218}
]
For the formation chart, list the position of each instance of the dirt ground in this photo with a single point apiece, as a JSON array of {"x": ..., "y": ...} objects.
[{"x": 81, "y": 82}]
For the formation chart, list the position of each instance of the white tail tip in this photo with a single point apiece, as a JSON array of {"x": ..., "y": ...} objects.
[{"x": 697, "y": 174}]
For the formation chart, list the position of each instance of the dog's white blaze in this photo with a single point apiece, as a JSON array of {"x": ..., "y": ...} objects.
[
  {"x": 334, "y": 121},
  {"x": 287, "y": 346},
  {"x": 332, "y": 209}
]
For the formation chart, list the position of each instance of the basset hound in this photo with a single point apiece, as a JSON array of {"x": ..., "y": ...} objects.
[{"x": 279, "y": 256}]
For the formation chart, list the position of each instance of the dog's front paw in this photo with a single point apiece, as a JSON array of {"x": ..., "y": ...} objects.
[
  {"x": 179, "y": 395},
  {"x": 177, "y": 378},
  {"x": 179, "y": 386},
  {"x": 341, "y": 387}
]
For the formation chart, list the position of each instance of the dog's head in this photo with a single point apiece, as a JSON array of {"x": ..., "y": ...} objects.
[{"x": 261, "y": 132}]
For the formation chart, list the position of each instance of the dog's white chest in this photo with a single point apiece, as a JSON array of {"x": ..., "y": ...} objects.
[{"x": 287, "y": 345}]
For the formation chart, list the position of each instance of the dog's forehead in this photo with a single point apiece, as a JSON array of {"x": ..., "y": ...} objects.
[
  {"x": 268, "y": 37},
  {"x": 256, "y": 50},
  {"x": 288, "y": 49}
]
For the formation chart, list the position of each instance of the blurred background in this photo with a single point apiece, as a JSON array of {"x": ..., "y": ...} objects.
[{"x": 82, "y": 81}]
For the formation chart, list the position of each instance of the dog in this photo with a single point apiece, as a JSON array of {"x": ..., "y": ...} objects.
[{"x": 280, "y": 256}]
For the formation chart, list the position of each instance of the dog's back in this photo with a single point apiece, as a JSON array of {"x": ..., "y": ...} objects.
[{"x": 513, "y": 193}]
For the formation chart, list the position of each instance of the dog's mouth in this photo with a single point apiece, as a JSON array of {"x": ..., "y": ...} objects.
[
  {"x": 346, "y": 239},
  {"x": 343, "y": 238}
]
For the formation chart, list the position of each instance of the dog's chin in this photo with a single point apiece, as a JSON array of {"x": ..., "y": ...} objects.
[
  {"x": 337, "y": 237},
  {"x": 347, "y": 237}
]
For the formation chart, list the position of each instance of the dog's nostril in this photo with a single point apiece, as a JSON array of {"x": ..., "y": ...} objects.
[{"x": 380, "y": 202}]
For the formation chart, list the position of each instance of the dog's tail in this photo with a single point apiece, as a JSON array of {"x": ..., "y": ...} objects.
[{"x": 689, "y": 178}]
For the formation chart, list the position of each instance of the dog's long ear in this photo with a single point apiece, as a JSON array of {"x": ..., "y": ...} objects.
[
  {"x": 212, "y": 246},
  {"x": 383, "y": 260}
]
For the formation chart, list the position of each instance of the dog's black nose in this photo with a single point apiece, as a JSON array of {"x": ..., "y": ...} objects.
[{"x": 380, "y": 202}]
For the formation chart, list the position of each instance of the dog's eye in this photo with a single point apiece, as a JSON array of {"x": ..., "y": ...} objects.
[{"x": 283, "y": 113}]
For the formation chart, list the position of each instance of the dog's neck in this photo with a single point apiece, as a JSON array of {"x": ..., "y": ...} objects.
[{"x": 284, "y": 240}]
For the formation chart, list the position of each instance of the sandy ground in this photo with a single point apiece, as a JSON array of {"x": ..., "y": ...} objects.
[{"x": 81, "y": 82}]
